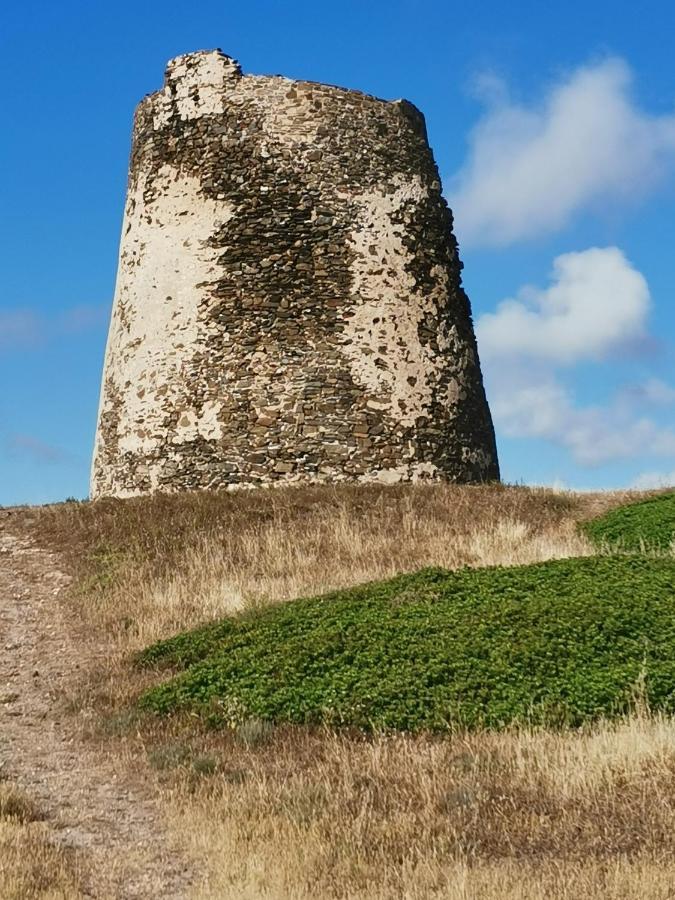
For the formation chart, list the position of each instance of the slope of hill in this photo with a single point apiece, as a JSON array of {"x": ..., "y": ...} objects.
[
  {"x": 558, "y": 643},
  {"x": 264, "y": 807},
  {"x": 637, "y": 527}
]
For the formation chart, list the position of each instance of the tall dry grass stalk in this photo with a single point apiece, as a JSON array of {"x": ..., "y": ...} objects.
[{"x": 32, "y": 864}]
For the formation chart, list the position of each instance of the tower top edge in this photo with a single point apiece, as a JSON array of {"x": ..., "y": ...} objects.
[
  {"x": 203, "y": 66},
  {"x": 217, "y": 68},
  {"x": 200, "y": 54}
]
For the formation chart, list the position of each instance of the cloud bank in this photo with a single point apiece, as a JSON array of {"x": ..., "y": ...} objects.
[
  {"x": 593, "y": 434},
  {"x": 649, "y": 480},
  {"x": 531, "y": 168},
  {"x": 596, "y": 306}
]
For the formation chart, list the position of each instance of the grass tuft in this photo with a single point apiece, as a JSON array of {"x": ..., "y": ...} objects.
[{"x": 33, "y": 865}]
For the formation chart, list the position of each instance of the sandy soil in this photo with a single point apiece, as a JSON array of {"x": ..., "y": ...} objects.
[{"x": 92, "y": 803}]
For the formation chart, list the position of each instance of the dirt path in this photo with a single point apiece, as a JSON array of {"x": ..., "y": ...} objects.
[{"x": 108, "y": 814}]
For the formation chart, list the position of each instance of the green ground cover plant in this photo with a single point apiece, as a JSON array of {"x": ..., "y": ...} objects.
[
  {"x": 557, "y": 643},
  {"x": 636, "y": 527}
]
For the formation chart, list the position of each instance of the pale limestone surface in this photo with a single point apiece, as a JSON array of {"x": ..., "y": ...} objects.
[
  {"x": 163, "y": 261},
  {"x": 380, "y": 291}
]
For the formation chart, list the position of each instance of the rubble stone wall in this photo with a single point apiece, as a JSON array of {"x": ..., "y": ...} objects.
[{"x": 288, "y": 303}]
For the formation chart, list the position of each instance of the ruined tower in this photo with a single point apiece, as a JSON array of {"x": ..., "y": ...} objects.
[{"x": 288, "y": 303}]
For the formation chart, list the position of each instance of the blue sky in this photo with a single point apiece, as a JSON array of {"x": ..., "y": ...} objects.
[{"x": 554, "y": 129}]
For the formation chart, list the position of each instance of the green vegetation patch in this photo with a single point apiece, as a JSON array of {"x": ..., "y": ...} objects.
[
  {"x": 648, "y": 525},
  {"x": 557, "y": 643}
]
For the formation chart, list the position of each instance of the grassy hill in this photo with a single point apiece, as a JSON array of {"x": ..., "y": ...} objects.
[
  {"x": 554, "y": 643},
  {"x": 425, "y": 613},
  {"x": 637, "y": 527}
]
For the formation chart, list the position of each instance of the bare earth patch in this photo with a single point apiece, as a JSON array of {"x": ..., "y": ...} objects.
[{"x": 102, "y": 810}]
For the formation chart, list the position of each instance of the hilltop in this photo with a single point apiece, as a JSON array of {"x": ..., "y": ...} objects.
[{"x": 287, "y": 766}]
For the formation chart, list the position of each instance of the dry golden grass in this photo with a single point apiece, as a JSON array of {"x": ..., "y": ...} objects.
[
  {"x": 153, "y": 566},
  {"x": 517, "y": 814},
  {"x": 32, "y": 865},
  {"x": 147, "y": 568},
  {"x": 297, "y": 814}
]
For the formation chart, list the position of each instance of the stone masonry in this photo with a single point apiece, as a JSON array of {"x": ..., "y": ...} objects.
[{"x": 288, "y": 304}]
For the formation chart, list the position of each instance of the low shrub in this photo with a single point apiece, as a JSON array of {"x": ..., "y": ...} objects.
[
  {"x": 636, "y": 527},
  {"x": 557, "y": 643}
]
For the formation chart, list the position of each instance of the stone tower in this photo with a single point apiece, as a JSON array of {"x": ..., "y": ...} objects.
[{"x": 288, "y": 303}]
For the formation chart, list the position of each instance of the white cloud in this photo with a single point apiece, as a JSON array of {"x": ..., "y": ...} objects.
[
  {"x": 544, "y": 408},
  {"x": 26, "y": 328},
  {"x": 530, "y": 168},
  {"x": 649, "y": 480},
  {"x": 596, "y": 306},
  {"x": 597, "y": 302},
  {"x": 653, "y": 392}
]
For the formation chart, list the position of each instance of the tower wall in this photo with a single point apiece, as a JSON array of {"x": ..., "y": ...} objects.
[{"x": 288, "y": 303}]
